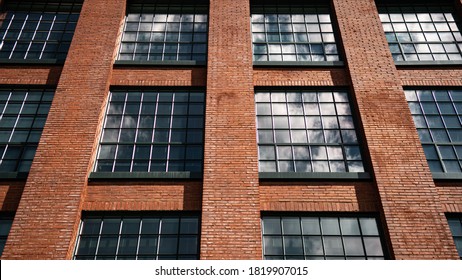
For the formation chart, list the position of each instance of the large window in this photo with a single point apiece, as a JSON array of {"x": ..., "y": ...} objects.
[
  {"x": 23, "y": 113},
  {"x": 5, "y": 225},
  {"x": 319, "y": 238},
  {"x": 152, "y": 130},
  {"x": 437, "y": 117},
  {"x": 455, "y": 224},
  {"x": 293, "y": 32},
  {"x": 165, "y": 31},
  {"x": 306, "y": 131},
  {"x": 111, "y": 236},
  {"x": 40, "y": 30},
  {"x": 422, "y": 32}
]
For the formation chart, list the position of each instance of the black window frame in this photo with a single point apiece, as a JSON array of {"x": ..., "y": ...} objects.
[
  {"x": 55, "y": 39},
  {"x": 258, "y": 7},
  {"x": 18, "y": 122},
  {"x": 167, "y": 174},
  {"x": 427, "y": 47},
  {"x": 326, "y": 215},
  {"x": 197, "y": 48},
  {"x": 329, "y": 175},
  {"x": 140, "y": 215},
  {"x": 438, "y": 127},
  {"x": 456, "y": 218}
]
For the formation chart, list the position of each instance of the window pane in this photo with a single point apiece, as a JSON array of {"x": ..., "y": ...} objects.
[
  {"x": 186, "y": 35},
  {"x": 353, "y": 246},
  {"x": 440, "y": 115},
  {"x": 330, "y": 226},
  {"x": 285, "y": 120},
  {"x": 431, "y": 29},
  {"x": 349, "y": 226},
  {"x": 295, "y": 29},
  {"x": 333, "y": 246},
  {"x": 373, "y": 246},
  {"x": 271, "y": 226},
  {"x": 138, "y": 237},
  {"x": 313, "y": 245},
  {"x": 150, "y": 119},
  {"x": 290, "y": 226},
  {"x": 38, "y": 30}
]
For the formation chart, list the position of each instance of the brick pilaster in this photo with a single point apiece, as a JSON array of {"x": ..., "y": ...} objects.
[
  {"x": 411, "y": 208},
  {"x": 48, "y": 215},
  {"x": 230, "y": 205}
]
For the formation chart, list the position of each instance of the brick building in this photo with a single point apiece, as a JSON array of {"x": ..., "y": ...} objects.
[{"x": 231, "y": 129}]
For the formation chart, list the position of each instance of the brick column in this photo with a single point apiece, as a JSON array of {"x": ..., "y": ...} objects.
[
  {"x": 231, "y": 216},
  {"x": 412, "y": 211},
  {"x": 49, "y": 212}
]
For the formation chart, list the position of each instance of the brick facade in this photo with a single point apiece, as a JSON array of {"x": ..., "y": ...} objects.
[{"x": 230, "y": 197}]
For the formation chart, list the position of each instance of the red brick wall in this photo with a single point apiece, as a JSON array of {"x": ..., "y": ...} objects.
[
  {"x": 319, "y": 197},
  {"x": 30, "y": 75},
  {"x": 444, "y": 76},
  {"x": 414, "y": 218},
  {"x": 300, "y": 77},
  {"x": 450, "y": 194},
  {"x": 48, "y": 215},
  {"x": 230, "y": 202},
  {"x": 159, "y": 76},
  {"x": 140, "y": 196},
  {"x": 231, "y": 197}
]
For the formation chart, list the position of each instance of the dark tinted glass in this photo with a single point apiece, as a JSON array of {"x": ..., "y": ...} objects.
[
  {"x": 138, "y": 237},
  {"x": 311, "y": 238}
]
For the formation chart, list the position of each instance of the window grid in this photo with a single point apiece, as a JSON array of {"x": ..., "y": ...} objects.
[
  {"x": 437, "y": 117},
  {"x": 152, "y": 131},
  {"x": 142, "y": 237},
  {"x": 319, "y": 238},
  {"x": 306, "y": 131},
  {"x": 293, "y": 33},
  {"x": 164, "y": 32},
  {"x": 455, "y": 224},
  {"x": 22, "y": 118},
  {"x": 422, "y": 33},
  {"x": 5, "y": 226},
  {"x": 38, "y": 30}
]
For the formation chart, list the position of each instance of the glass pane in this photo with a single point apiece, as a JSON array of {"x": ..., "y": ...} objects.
[
  {"x": 87, "y": 246},
  {"x": 148, "y": 245},
  {"x": 110, "y": 226},
  {"x": 168, "y": 245},
  {"x": 272, "y": 245},
  {"x": 333, "y": 245},
  {"x": 310, "y": 226},
  {"x": 271, "y": 225},
  {"x": 353, "y": 246},
  {"x": 128, "y": 245},
  {"x": 107, "y": 245},
  {"x": 313, "y": 245},
  {"x": 169, "y": 226},
  {"x": 189, "y": 226},
  {"x": 368, "y": 226},
  {"x": 130, "y": 226},
  {"x": 188, "y": 245},
  {"x": 150, "y": 226},
  {"x": 349, "y": 226},
  {"x": 90, "y": 226},
  {"x": 291, "y": 226},
  {"x": 456, "y": 227},
  {"x": 373, "y": 246},
  {"x": 293, "y": 245},
  {"x": 330, "y": 226}
]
